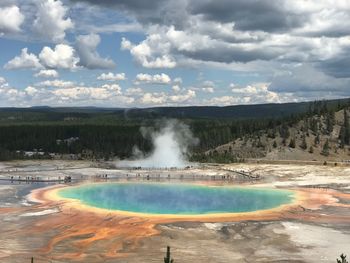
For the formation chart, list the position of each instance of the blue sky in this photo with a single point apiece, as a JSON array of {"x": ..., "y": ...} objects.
[{"x": 136, "y": 53}]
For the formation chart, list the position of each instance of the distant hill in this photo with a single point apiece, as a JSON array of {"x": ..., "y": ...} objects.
[{"x": 258, "y": 111}]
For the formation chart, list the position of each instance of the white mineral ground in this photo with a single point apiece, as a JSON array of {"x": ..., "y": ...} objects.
[{"x": 247, "y": 241}]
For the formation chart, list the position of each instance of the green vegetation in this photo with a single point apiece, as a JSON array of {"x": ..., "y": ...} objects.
[
  {"x": 93, "y": 133},
  {"x": 325, "y": 149}
]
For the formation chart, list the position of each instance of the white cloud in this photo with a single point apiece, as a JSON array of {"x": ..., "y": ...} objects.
[
  {"x": 47, "y": 73},
  {"x": 24, "y": 61},
  {"x": 51, "y": 20},
  {"x": 162, "y": 98},
  {"x": 10, "y": 96},
  {"x": 180, "y": 98},
  {"x": 151, "y": 53},
  {"x": 112, "y": 77},
  {"x": 134, "y": 92},
  {"x": 3, "y": 82},
  {"x": 208, "y": 86},
  {"x": 153, "y": 98},
  {"x": 86, "y": 48},
  {"x": 31, "y": 91},
  {"x": 176, "y": 88},
  {"x": 11, "y": 19},
  {"x": 177, "y": 80},
  {"x": 106, "y": 92},
  {"x": 113, "y": 87},
  {"x": 152, "y": 79},
  {"x": 208, "y": 89},
  {"x": 56, "y": 83},
  {"x": 259, "y": 93},
  {"x": 62, "y": 56}
]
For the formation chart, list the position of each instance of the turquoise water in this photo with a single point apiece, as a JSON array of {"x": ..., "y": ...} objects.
[{"x": 182, "y": 199}]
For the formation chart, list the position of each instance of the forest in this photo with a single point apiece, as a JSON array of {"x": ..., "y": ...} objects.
[{"x": 94, "y": 133}]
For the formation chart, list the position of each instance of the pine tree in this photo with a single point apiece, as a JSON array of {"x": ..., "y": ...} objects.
[
  {"x": 303, "y": 144},
  {"x": 274, "y": 145},
  {"x": 346, "y": 128},
  {"x": 311, "y": 149},
  {"x": 342, "y": 137},
  {"x": 325, "y": 149},
  {"x": 330, "y": 120},
  {"x": 342, "y": 259},
  {"x": 317, "y": 140},
  {"x": 168, "y": 259},
  {"x": 292, "y": 143}
]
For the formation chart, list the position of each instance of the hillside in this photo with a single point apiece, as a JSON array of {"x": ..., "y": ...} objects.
[{"x": 316, "y": 138}]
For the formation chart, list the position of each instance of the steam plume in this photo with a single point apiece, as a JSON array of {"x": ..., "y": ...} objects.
[{"x": 171, "y": 142}]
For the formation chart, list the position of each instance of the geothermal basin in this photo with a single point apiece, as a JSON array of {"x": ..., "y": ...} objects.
[
  {"x": 279, "y": 213},
  {"x": 175, "y": 199}
]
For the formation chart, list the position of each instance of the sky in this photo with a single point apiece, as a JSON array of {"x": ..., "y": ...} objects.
[{"x": 138, "y": 53}]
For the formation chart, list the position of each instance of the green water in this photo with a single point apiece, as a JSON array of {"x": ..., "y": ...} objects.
[{"x": 181, "y": 199}]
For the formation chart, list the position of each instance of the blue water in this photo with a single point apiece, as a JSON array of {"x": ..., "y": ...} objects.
[{"x": 182, "y": 199}]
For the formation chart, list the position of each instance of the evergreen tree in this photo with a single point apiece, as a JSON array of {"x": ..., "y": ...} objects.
[
  {"x": 311, "y": 149},
  {"x": 346, "y": 128},
  {"x": 341, "y": 137},
  {"x": 168, "y": 259},
  {"x": 303, "y": 144},
  {"x": 274, "y": 145},
  {"x": 325, "y": 149},
  {"x": 292, "y": 143},
  {"x": 330, "y": 121},
  {"x": 342, "y": 259},
  {"x": 317, "y": 140}
]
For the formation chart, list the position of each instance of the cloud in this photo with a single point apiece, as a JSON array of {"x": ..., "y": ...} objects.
[
  {"x": 31, "y": 91},
  {"x": 115, "y": 28},
  {"x": 254, "y": 15},
  {"x": 112, "y": 77},
  {"x": 134, "y": 92},
  {"x": 3, "y": 82},
  {"x": 106, "y": 92},
  {"x": 56, "y": 83},
  {"x": 239, "y": 35},
  {"x": 180, "y": 98},
  {"x": 177, "y": 80},
  {"x": 62, "y": 56},
  {"x": 162, "y": 98},
  {"x": 162, "y": 79},
  {"x": 307, "y": 82},
  {"x": 208, "y": 86},
  {"x": 70, "y": 95},
  {"x": 9, "y": 95},
  {"x": 176, "y": 88},
  {"x": 47, "y": 73},
  {"x": 51, "y": 20},
  {"x": 150, "y": 53},
  {"x": 24, "y": 61},
  {"x": 153, "y": 99},
  {"x": 86, "y": 48},
  {"x": 255, "y": 93},
  {"x": 146, "y": 12},
  {"x": 11, "y": 19}
]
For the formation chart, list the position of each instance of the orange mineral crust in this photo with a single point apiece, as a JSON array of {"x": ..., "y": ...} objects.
[{"x": 84, "y": 230}]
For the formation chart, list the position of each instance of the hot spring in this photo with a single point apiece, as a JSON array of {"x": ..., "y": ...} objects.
[{"x": 176, "y": 199}]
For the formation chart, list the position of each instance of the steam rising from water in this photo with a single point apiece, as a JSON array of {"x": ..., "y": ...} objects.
[{"x": 171, "y": 142}]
